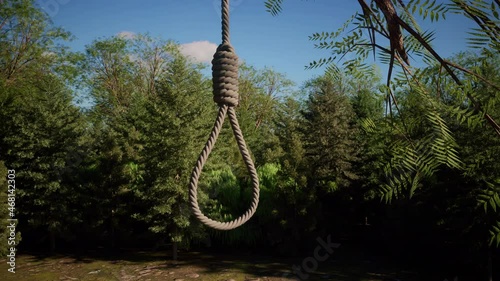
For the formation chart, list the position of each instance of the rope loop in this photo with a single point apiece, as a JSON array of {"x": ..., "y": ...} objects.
[
  {"x": 225, "y": 89},
  {"x": 225, "y": 76},
  {"x": 202, "y": 159}
]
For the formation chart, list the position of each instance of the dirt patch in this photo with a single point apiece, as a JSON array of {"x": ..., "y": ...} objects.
[{"x": 152, "y": 266}]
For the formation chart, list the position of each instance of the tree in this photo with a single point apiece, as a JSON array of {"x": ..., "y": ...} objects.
[
  {"x": 288, "y": 212},
  {"x": 329, "y": 136},
  {"x": 115, "y": 85},
  {"x": 447, "y": 204},
  {"x": 42, "y": 132},
  {"x": 177, "y": 122},
  {"x": 479, "y": 152},
  {"x": 108, "y": 73},
  {"x": 260, "y": 91},
  {"x": 390, "y": 20},
  {"x": 28, "y": 42},
  {"x": 41, "y": 128}
]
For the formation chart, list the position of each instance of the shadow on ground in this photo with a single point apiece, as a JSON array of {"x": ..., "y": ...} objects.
[{"x": 343, "y": 265}]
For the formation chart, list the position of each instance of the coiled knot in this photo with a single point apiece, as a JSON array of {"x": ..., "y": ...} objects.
[{"x": 225, "y": 75}]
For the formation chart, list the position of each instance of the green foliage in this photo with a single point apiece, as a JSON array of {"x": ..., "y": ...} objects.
[
  {"x": 478, "y": 147},
  {"x": 427, "y": 9},
  {"x": 177, "y": 122},
  {"x": 490, "y": 196},
  {"x": 28, "y": 44},
  {"x": 119, "y": 172},
  {"x": 260, "y": 94},
  {"x": 486, "y": 16},
  {"x": 415, "y": 157},
  {"x": 329, "y": 131},
  {"x": 495, "y": 234},
  {"x": 418, "y": 152},
  {"x": 42, "y": 132},
  {"x": 436, "y": 115},
  {"x": 108, "y": 72},
  {"x": 274, "y": 6}
]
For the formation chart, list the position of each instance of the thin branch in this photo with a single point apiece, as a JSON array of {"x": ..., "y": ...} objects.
[
  {"x": 485, "y": 24},
  {"x": 3, "y": 23},
  {"x": 419, "y": 38},
  {"x": 438, "y": 82},
  {"x": 372, "y": 28},
  {"x": 364, "y": 5},
  {"x": 477, "y": 106},
  {"x": 472, "y": 73}
]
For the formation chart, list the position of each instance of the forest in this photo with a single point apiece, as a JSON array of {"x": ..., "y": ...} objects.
[{"x": 405, "y": 168}]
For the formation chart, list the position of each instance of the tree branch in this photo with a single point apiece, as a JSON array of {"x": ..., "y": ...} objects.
[
  {"x": 477, "y": 106},
  {"x": 472, "y": 73}
]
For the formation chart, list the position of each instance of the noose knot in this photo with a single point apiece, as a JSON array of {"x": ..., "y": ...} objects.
[{"x": 225, "y": 75}]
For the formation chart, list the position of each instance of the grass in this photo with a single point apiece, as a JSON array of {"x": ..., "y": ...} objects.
[{"x": 130, "y": 265}]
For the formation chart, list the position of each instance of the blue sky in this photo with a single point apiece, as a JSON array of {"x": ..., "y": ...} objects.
[{"x": 260, "y": 39}]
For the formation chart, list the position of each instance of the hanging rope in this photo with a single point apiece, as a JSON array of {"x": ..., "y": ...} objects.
[{"x": 225, "y": 90}]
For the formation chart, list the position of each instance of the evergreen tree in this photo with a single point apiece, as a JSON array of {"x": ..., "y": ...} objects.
[
  {"x": 111, "y": 79},
  {"x": 41, "y": 139},
  {"x": 329, "y": 136},
  {"x": 41, "y": 129},
  {"x": 177, "y": 126}
]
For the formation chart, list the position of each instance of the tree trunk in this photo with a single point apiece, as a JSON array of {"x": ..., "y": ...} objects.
[
  {"x": 490, "y": 265},
  {"x": 52, "y": 241},
  {"x": 113, "y": 229},
  {"x": 174, "y": 251}
]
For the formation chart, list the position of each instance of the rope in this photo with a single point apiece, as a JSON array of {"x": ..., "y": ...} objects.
[{"x": 225, "y": 90}]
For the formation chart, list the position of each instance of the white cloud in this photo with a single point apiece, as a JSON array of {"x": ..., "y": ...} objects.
[
  {"x": 200, "y": 51},
  {"x": 45, "y": 53},
  {"x": 134, "y": 58},
  {"x": 126, "y": 34}
]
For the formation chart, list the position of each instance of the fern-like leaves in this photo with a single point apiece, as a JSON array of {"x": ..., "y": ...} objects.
[
  {"x": 485, "y": 14},
  {"x": 495, "y": 234},
  {"x": 273, "y": 7}
]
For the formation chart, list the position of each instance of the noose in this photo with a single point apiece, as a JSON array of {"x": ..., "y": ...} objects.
[{"x": 225, "y": 90}]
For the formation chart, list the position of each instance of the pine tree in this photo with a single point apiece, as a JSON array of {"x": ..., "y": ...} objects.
[
  {"x": 178, "y": 121},
  {"x": 41, "y": 128},
  {"x": 329, "y": 136},
  {"x": 41, "y": 139}
]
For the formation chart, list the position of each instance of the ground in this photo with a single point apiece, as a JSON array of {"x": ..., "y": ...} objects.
[{"x": 191, "y": 266}]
